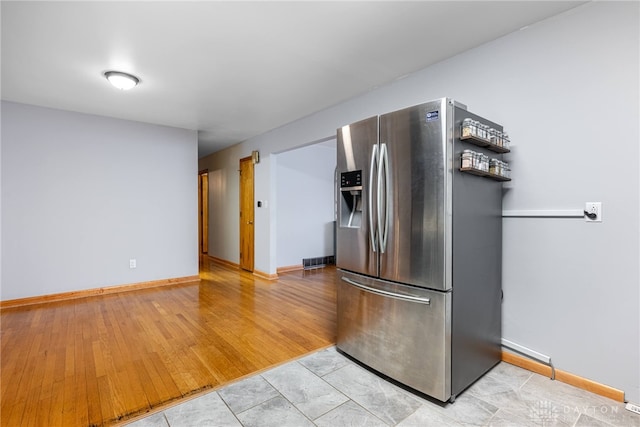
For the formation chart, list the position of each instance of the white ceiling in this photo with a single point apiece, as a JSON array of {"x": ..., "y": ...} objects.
[{"x": 233, "y": 70}]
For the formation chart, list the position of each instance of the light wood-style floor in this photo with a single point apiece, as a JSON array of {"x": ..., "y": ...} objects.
[{"x": 99, "y": 360}]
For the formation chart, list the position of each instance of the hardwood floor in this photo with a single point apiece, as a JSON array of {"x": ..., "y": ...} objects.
[{"x": 99, "y": 360}]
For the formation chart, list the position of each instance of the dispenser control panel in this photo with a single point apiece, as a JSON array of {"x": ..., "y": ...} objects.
[{"x": 351, "y": 180}]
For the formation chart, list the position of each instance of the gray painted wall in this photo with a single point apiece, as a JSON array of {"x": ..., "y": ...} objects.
[
  {"x": 304, "y": 203},
  {"x": 83, "y": 194},
  {"x": 566, "y": 89}
]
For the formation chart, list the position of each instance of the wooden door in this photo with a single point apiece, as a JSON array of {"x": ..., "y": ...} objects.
[
  {"x": 203, "y": 209},
  {"x": 246, "y": 214}
]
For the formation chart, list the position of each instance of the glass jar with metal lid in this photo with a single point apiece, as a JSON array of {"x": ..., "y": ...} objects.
[
  {"x": 506, "y": 142},
  {"x": 495, "y": 167},
  {"x": 467, "y": 159},
  {"x": 468, "y": 128},
  {"x": 484, "y": 163},
  {"x": 495, "y": 137},
  {"x": 506, "y": 170}
]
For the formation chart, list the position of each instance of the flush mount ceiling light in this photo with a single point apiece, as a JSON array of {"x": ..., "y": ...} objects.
[{"x": 122, "y": 81}]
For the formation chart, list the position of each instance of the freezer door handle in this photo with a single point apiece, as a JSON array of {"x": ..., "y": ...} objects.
[
  {"x": 405, "y": 297},
  {"x": 383, "y": 230},
  {"x": 372, "y": 233}
]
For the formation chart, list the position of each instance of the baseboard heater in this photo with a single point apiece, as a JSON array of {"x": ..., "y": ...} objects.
[{"x": 532, "y": 354}]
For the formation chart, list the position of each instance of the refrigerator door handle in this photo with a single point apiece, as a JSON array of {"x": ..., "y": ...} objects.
[
  {"x": 384, "y": 165},
  {"x": 372, "y": 233},
  {"x": 411, "y": 298}
]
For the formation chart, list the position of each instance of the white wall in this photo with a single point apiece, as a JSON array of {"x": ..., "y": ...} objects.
[
  {"x": 567, "y": 91},
  {"x": 304, "y": 203},
  {"x": 83, "y": 194}
]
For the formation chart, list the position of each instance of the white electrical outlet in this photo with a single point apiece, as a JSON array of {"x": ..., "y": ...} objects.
[
  {"x": 132, "y": 263},
  {"x": 633, "y": 408},
  {"x": 593, "y": 211}
]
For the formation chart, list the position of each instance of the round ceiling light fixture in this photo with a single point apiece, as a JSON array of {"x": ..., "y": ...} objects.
[{"x": 120, "y": 80}]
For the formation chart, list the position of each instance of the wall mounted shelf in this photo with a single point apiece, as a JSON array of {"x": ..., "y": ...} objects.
[
  {"x": 479, "y": 172},
  {"x": 481, "y": 142}
]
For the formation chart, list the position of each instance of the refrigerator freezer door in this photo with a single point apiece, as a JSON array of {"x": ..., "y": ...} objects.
[
  {"x": 416, "y": 249},
  {"x": 401, "y": 331},
  {"x": 357, "y": 165}
]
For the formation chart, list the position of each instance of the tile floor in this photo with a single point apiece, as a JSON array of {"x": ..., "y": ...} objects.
[{"x": 326, "y": 389}]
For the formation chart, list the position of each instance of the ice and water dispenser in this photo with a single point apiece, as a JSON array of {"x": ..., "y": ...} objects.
[{"x": 351, "y": 199}]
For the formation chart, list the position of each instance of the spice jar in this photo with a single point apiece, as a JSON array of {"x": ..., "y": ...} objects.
[
  {"x": 477, "y": 164},
  {"x": 494, "y": 167},
  {"x": 495, "y": 137},
  {"x": 468, "y": 128},
  {"x": 492, "y": 136},
  {"x": 467, "y": 159},
  {"x": 505, "y": 140},
  {"x": 506, "y": 171},
  {"x": 484, "y": 163}
]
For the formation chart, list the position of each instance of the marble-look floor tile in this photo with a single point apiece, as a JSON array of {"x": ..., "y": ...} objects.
[
  {"x": 510, "y": 374},
  {"x": 308, "y": 392},
  {"x": 611, "y": 412},
  {"x": 429, "y": 415},
  {"x": 277, "y": 412},
  {"x": 574, "y": 401},
  {"x": 349, "y": 414},
  {"x": 388, "y": 402},
  {"x": 155, "y": 420},
  {"x": 557, "y": 390},
  {"x": 586, "y": 421},
  {"x": 247, "y": 393},
  {"x": 521, "y": 403},
  {"x": 324, "y": 362},
  {"x": 617, "y": 416},
  {"x": 320, "y": 385},
  {"x": 207, "y": 410},
  {"x": 545, "y": 412},
  {"x": 505, "y": 418},
  {"x": 468, "y": 409},
  {"x": 496, "y": 392}
]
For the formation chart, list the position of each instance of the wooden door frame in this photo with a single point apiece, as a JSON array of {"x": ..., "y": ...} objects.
[
  {"x": 248, "y": 218},
  {"x": 203, "y": 211}
]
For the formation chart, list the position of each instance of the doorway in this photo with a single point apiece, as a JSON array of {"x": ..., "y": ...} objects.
[
  {"x": 246, "y": 214},
  {"x": 203, "y": 211}
]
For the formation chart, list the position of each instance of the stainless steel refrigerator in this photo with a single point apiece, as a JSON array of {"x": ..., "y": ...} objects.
[{"x": 418, "y": 250}]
